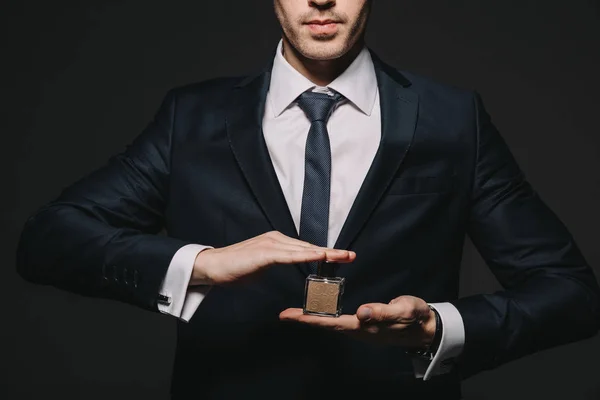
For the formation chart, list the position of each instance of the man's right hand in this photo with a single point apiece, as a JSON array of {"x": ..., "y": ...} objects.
[{"x": 240, "y": 260}]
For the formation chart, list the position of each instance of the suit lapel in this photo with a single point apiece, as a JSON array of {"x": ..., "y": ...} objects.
[
  {"x": 244, "y": 129},
  {"x": 244, "y": 115},
  {"x": 399, "y": 107}
]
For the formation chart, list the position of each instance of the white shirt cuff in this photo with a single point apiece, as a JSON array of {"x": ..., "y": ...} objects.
[
  {"x": 451, "y": 344},
  {"x": 180, "y": 300}
]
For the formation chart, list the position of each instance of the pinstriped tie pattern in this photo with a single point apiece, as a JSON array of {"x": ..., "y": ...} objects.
[{"x": 314, "y": 214}]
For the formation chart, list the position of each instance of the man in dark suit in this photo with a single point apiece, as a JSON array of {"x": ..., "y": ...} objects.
[{"x": 328, "y": 154}]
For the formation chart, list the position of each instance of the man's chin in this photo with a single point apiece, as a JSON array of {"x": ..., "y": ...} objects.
[
  {"x": 323, "y": 50},
  {"x": 324, "y": 37}
]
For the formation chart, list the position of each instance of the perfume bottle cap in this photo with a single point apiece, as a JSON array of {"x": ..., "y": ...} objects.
[{"x": 325, "y": 269}]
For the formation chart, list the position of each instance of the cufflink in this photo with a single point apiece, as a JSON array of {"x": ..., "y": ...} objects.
[{"x": 166, "y": 300}]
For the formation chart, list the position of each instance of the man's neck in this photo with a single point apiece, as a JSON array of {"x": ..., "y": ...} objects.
[{"x": 320, "y": 72}]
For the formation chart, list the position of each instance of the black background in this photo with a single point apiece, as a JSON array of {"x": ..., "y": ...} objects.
[{"x": 81, "y": 79}]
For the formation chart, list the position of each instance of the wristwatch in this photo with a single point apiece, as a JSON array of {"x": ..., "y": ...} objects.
[{"x": 430, "y": 351}]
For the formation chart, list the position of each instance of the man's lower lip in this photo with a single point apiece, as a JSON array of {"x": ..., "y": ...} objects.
[{"x": 323, "y": 28}]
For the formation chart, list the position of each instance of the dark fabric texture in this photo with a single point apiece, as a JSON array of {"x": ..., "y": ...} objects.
[
  {"x": 314, "y": 214},
  {"x": 202, "y": 172}
]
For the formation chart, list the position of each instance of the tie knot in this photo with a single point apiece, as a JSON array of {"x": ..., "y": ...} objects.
[{"x": 318, "y": 106}]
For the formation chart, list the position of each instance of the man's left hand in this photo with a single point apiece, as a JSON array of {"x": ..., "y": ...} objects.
[{"x": 405, "y": 321}]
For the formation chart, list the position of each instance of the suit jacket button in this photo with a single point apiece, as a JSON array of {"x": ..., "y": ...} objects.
[
  {"x": 104, "y": 276},
  {"x": 135, "y": 278},
  {"x": 115, "y": 274},
  {"x": 126, "y": 280}
]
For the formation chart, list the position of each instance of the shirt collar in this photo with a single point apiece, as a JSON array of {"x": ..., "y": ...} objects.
[{"x": 357, "y": 83}]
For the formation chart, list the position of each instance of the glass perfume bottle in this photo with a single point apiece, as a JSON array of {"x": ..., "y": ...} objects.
[{"x": 323, "y": 292}]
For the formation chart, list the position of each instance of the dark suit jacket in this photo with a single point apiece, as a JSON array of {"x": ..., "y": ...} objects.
[{"x": 202, "y": 172}]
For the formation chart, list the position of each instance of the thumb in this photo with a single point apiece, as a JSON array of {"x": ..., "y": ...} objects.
[
  {"x": 396, "y": 312},
  {"x": 373, "y": 312}
]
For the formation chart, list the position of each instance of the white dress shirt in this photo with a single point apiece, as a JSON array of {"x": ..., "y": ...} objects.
[{"x": 354, "y": 133}]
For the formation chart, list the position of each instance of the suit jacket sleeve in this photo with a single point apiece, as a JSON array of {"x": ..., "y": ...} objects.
[
  {"x": 100, "y": 237},
  {"x": 550, "y": 295}
]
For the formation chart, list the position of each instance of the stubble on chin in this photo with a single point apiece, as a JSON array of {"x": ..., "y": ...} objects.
[{"x": 321, "y": 49}]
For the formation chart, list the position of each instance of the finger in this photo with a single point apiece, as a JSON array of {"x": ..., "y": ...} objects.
[
  {"x": 339, "y": 255},
  {"x": 291, "y": 314},
  {"x": 297, "y": 242},
  {"x": 399, "y": 312},
  {"x": 330, "y": 255},
  {"x": 281, "y": 238},
  {"x": 272, "y": 240},
  {"x": 292, "y": 247},
  {"x": 293, "y": 256},
  {"x": 307, "y": 255},
  {"x": 341, "y": 323},
  {"x": 372, "y": 312},
  {"x": 412, "y": 305},
  {"x": 276, "y": 239}
]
